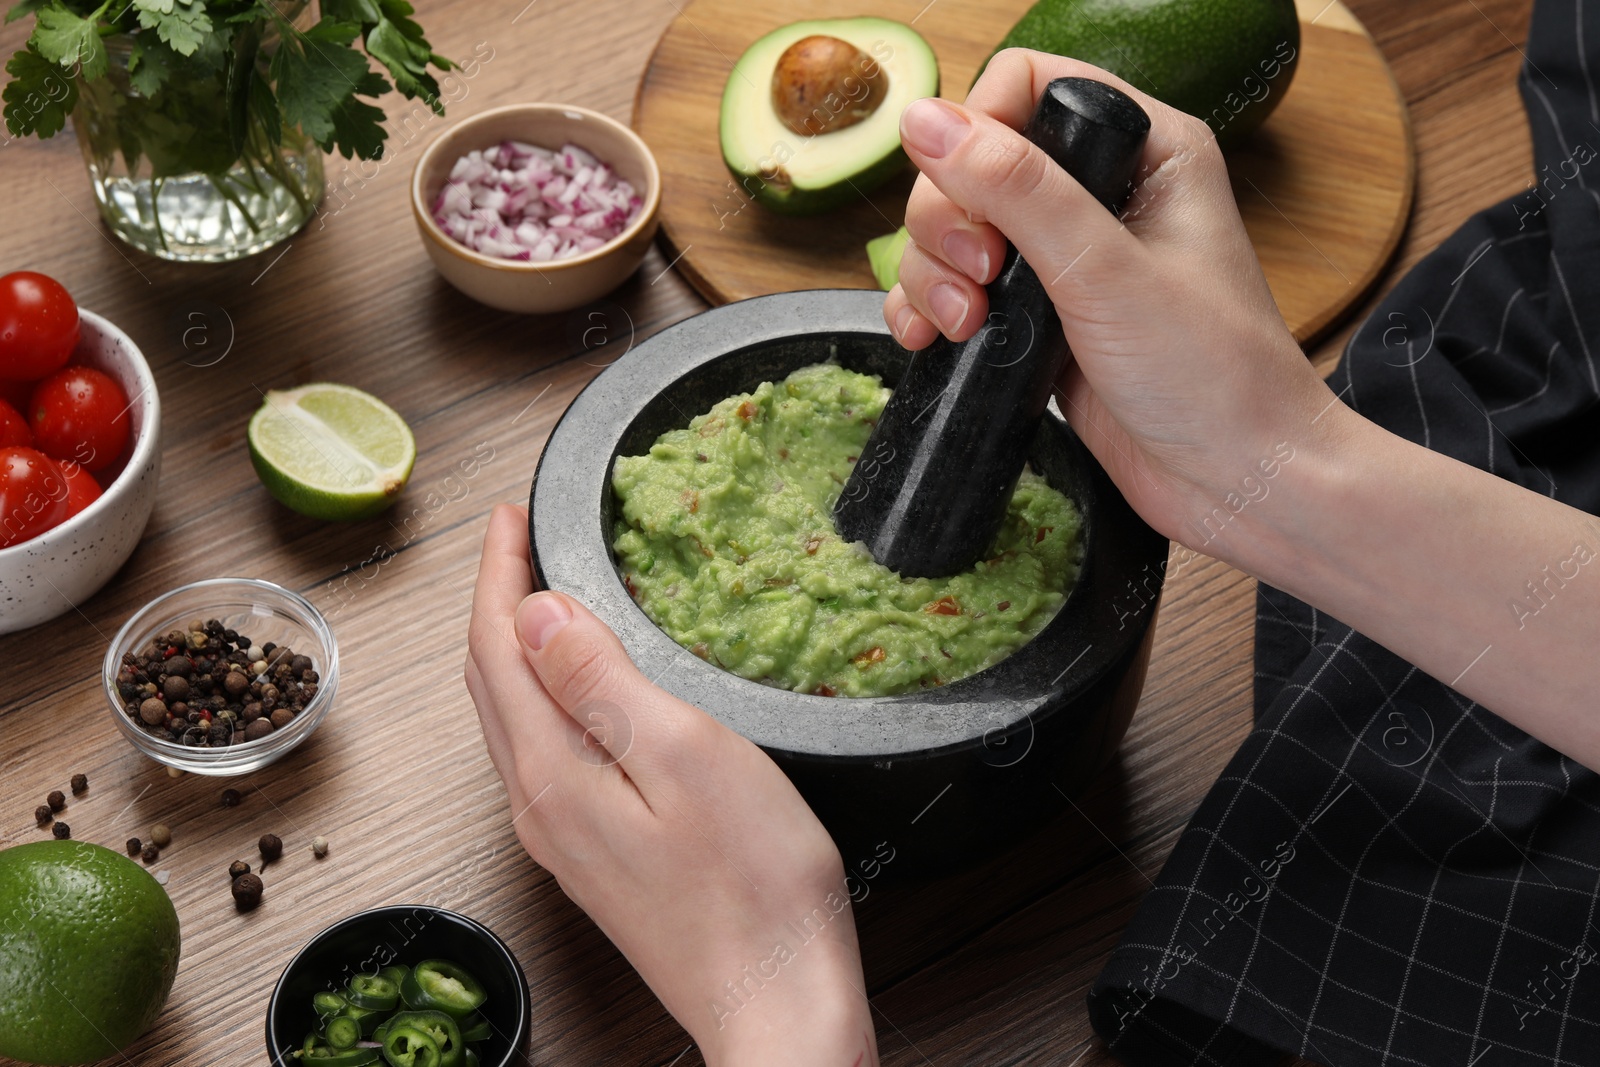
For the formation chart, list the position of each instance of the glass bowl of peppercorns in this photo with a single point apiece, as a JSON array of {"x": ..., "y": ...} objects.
[{"x": 222, "y": 676}]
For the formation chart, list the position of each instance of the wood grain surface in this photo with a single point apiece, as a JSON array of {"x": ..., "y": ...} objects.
[
  {"x": 1324, "y": 187},
  {"x": 987, "y": 968}
]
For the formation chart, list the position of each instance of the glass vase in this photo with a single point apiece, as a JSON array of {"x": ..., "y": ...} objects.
[{"x": 176, "y": 175}]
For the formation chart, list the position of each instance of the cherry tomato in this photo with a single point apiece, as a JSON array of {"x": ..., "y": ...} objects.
[
  {"x": 13, "y": 427},
  {"x": 81, "y": 414},
  {"x": 16, "y": 393},
  {"x": 38, "y": 325},
  {"x": 82, "y": 489},
  {"x": 33, "y": 495}
]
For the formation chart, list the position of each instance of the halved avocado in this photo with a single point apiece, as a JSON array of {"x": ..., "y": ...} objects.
[{"x": 811, "y": 112}]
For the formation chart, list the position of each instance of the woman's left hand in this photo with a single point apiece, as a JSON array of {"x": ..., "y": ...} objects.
[{"x": 684, "y": 843}]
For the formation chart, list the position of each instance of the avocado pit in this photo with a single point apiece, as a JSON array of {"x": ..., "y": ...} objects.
[{"x": 822, "y": 84}]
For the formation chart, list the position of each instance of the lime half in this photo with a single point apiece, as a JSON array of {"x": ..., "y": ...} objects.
[{"x": 330, "y": 451}]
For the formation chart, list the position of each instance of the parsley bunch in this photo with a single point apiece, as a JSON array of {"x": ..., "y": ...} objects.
[{"x": 216, "y": 80}]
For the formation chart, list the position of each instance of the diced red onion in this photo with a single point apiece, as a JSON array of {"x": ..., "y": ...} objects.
[{"x": 522, "y": 202}]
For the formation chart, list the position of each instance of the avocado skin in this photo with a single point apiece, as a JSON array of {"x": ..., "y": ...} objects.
[
  {"x": 1228, "y": 62},
  {"x": 818, "y": 201}
]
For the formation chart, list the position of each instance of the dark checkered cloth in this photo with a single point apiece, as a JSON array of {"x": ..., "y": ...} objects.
[{"x": 1387, "y": 873}]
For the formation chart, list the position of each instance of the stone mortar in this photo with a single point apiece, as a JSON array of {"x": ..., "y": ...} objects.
[{"x": 940, "y": 778}]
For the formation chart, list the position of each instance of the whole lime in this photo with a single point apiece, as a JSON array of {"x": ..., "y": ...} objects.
[
  {"x": 1228, "y": 62},
  {"x": 88, "y": 950}
]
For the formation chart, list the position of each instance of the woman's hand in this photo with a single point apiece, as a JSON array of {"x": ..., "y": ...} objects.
[
  {"x": 1190, "y": 391},
  {"x": 1185, "y": 377},
  {"x": 684, "y": 843}
]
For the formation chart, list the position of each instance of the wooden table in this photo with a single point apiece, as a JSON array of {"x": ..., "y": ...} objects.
[{"x": 989, "y": 968}]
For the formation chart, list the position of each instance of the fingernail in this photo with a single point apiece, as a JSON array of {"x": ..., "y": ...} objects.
[
  {"x": 540, "y": 617},
  {"x": 932, "y": 127},
  {"x": 964, "y": 250},
  {"x": 902, "y": 321},
  {"x": 949, "y": 305}
]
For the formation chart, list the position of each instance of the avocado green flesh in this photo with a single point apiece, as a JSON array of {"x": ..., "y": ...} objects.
[
  {"x": 1228, "y": 62},
  {"x": 725, "y": 537},
  {"x": 804, "y": 174},
  {"x": 884, "y": 253}
]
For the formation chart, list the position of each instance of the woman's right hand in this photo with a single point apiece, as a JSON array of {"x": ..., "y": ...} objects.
[
  {"x": 1190, "y": 391},
  {"x": 1185, "y": 379}
]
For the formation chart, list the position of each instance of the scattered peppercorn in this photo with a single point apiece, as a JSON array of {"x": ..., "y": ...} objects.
[
  {"x": 231, "y": 798},
  {"x": 57, "y": 800},
  {"x": 135, "y": 846},
  {"x": 319, "y": 847},
  {"x": 238, "y": 868},
  {"x": 62, "y": 831},
  {"x": 161, "y": 835},
  {"x": 43, "y": 814},
  {"x": 271, "y": 847},
  {"x": 247, "y": 889},
  {"x": 80, "y": 783},
  {"x": 150, "y": 854},
  {"x": 207, "y": 685}
]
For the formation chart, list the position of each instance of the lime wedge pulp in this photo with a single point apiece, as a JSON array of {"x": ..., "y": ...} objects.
[{"x": 330, "y": 451}]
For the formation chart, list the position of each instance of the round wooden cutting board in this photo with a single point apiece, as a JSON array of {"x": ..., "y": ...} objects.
[{"x": 1324, "y": 187}]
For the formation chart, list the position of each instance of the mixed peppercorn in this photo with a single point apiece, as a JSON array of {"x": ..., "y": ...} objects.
[
  {"x": 209, "y": 686},
  {"x": 246, "y": 885},
  {"x": 55, "y": 803}
]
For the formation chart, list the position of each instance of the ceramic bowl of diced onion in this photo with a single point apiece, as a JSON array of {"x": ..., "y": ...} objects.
[{"x": 536, "y": 208}]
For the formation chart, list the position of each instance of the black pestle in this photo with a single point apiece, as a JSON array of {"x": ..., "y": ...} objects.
[{"x": 930, "y": 489}]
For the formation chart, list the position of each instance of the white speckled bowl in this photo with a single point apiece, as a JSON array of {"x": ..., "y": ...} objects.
[{"x": 64, "y": 566}]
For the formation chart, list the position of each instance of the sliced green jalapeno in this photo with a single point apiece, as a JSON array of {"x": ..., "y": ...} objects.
[
  {"x": 439, "y": 1026},
  {"x": 324, "y": 1056},
  {"x": 328, "y": 1003},
  {"x": 440, "y": 985},
  {"x": 422, "y": 1016},
  {"x": 408, "y": 1046},
  {"x": 373, "y": 991},
  {"x": 474, "y": 1028},
  {"x": 369, "y": 1018},
  {"x": 342, "y": 1032}
]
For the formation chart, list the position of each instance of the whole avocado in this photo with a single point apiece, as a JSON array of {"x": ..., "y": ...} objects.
[{"x": 1228, "y": 62}]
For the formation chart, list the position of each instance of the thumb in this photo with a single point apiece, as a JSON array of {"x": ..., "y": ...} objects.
[{"x": 586, "y": 671}]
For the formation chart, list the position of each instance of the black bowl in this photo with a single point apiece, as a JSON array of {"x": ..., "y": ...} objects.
[
  {"x": 404, "y": 934},
  {"x": 936, "y": 778}
]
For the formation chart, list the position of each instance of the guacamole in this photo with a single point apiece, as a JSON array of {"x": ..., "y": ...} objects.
[{"x": 725, "y": 538}]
